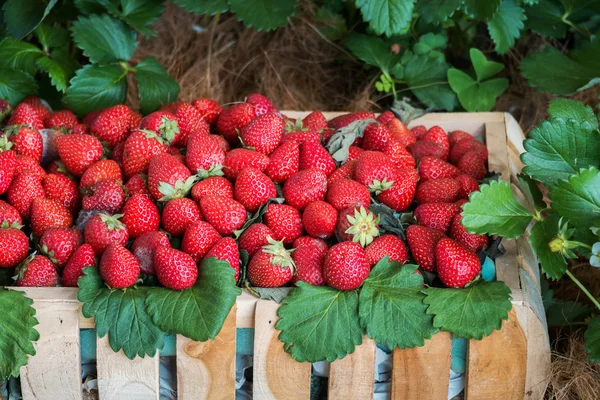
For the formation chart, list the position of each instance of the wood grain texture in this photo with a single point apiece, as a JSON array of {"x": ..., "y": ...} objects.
[
  {"x": 423, "y": 373},
  {"x": 120, "y": 378},
  {"x": 54, "y": 373},
  {"x": 353, "y": 377},
  {"x": 538, "y": 357},
  {"x": 206, "y": 370},
  {"x": 276, "y": 374}
]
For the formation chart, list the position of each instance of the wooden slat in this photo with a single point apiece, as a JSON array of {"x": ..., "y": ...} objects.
[
  {"x": 538, "y": 357},
  {"x": 353, "y": 377},
  {"x": 495, "y": 140},
  {"x": 120, "y": 378},
  {"x": 55, "y": 371},
  {"x": 497, "y": 364},
  {"x": 206, "y": 370},
  {"x": 423, "y": 373},
  {"x": 276, "y": 374}
]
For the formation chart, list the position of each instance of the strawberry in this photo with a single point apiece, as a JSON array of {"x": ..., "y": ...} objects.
[
  {"x": 224, "y": 213},
  {"x": 471, "y": 164},
  {"x": 102, "y": 230},
  {"x": 9, "y": 214},
  {"x": 135, "y": 120},
  {"x": 263, "y": 133},
  {"x": 345, "y": 266},
  {"x": 26, "y": 163},
  {"x": 208, "y": 109},
  {"x": 168, "y": 177},
  {"x": 189, "y": 121},
  {"x": 272, "y": 266},
  {"x": 5, "y": 109},
  {"x": 61, "y": 120},
  {"x": 422, "y": 242},
  {"x": 139, "y": 148},
  {"x": 419, "y": 131},
  {"x": 163, "y": 124},
  {"x": 284, "y": 221},
  {"x": 385, "y": 117},
  {"x": 309, "y": 265},
  {"x": 58, "y": 168},
  {"x": 58, "y": 244},
  {"x": 398, "y": 155},
  {"x": 443, "y": 190},
  {"x": 116, "y": 154},
  {"x": 344, "y": 193},
  {"x": 224, "y": 144},
  {"x": 204, "y": 153},
  {"x": 112, "y": 125},
  {"x": 78, "y": 152},
  {"x": 434, "y": 168},
  {"x": 26, "y": 114},
  {"x": 24, "y": 189},
  {"x": 302, "y": 137},
  {"x": 344, "y": 172},
  {"x": 144, "y": 246},
  {"x": 137, "y": 184},
  {"x": 170, "y": 108},
  {"x": 261, "y": 104},
  {"x": 90, "y": 117},
  {"x": 468, "y": 185},
  {"x": 82, "y": 257},
  {"x": 311, "y": 241},
  {"x": 436, "y": 215},
  {"x": 470, "y": 241},
  {"x": 437, "y": 135},
  {"x": 357, "y": 224},
  {"x": 400, "y": 132},
  {"x": 226, "y": 249},
  {"x": 140, "y": 215},
  {"x": 376, "y": 137},
  {"x": 238, "y": 159},
  {"x": 320, "y": 219},
  {"x": 304, "y": 187},
  {"x": 315, "y": 156},
  {"x": 458, "y": 135},
  {"x": 456, "y": 266},
  {"x": 118, "y": 267},
  {"x": 401, "y": 195},
  {"x": 39, "y": 107},
  {"x": 26, "y": 141},
  {"x": 174, "y": 268},
  {"x": 375, "y": 171},
  {"x": 346, "y": 119},
  {"x": 103, "y": 170},
  {"x": 386, "y": 245},
  {"x": 37, "y": 271},
  {"x": 283, "y": 162},
  {"x": 465, "y": 145},
  {"x": 80, "y": 129},
  {"x": 48, "y": 213},
  {"x": 104, "y": 196},
  {"x": 8, "y": 164},
  {"x": 198, "y": 239},
  {"x": 253, "y": 189},
  {"x": 315, "y": 121},
  {"x": 255, "y": 237},
  {"x": 354, "y": 153},
  {"x": 425, "y": 148},
  {"x": 178, "y": 214},
  {"x": 14, "y": 244},
  {"x": 214, "y": 185},
  {"x": 461, "y": 202},
  {"x": 233, "y": 120}
]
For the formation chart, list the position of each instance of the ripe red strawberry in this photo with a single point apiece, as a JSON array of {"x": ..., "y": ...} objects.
[
  {"x": 437, "y": 135},
  {"x": 238, "y": 159},
  {"x": 63, "y": 119},
  {"x": 309, "y": 265},
  {"x": 8, "y": 164},
  {"x": 385, "y": 117},
  {"x": 263, "y": 133},
  {"x": 163, "y": 123},
  {"x": 401, "y": 195},
  {"x": 357, "y": 224},
  {"x": 139, "y": 148},
  {"x": 386, "y": 245},
  {"x": 37, "y": 271},
  {"x": 470, "y": 241},
  {"x": 140, "y": 215},
  {"x": 456, "y": 266},
  {"x": 315, "y": 156},
  {"x": 26, "y": 163},
  {"x": 344, "y": 193},
  {"x": 419, "y": 131},
  {"x": 434, "y": 168},
  {"x": 398, "y": 155},
  {"x": 468, "y": 185},
  {"x": 174, "y": 268},
  {"x": 354, "y": 153},
  {"x": 224, "y": 144},
  {"x": 345, "y": 172},
  {"x": 283, "y": 162},
  {"x": 118, "y": 267},
  {"x": 189, "y": 121},
  {"x": 168, "y": 177},
  {"x": 178, "y": 214},
  {"x": 443, "y": 190},
  {"x": 302, "y": 137},
  {"x": 204, "y": 153},
  {"x": 233, "y": 120},
  {"x": 102, "y": 230},
  {"x": 25, "y": 188},
  {"x": 375, "y": 171},
  {"x": 436, "y": 215},
  {"x": 171, "y": 107},
  {"x": 422, "y": 242},
  {"x": 112, "y": 125},
  {"x": 39, "y": 107},
  {"x": 261, "y": 104},
  {"x": 461, "y": 202},
  {"x": 253, "y": 189},
  {"x": 272, "y": 266},
  {"x": 78, "y": 152},
  {"x": 457, "y": 135},
  {"x": 117, "y": 153},
  {"x": 311, "y": 241},
  {"x": 137, "y": 184},
  {"x": 284, "y": 221},
  {"x": 90, "y": 117},
  {"x": 224, "y": 213},
  {"x": 80, "y": 129},
  {"x": 82, "y": 257},
  {"x": 315, "y": 121},
  {"x": 26, "y": 141},
  {"x": 255, "y": 237},
  {"x": 465, "y": 145},
  {"x": 376, "y": 137},
  {"x": 9, "y": 214},
  {"x": 135, "y": 119},
  {"x": 14, "y": 244},
  {"x": 320, "y": 219},
  {"x": 144, "y": 246},
  {"x": 58, "y": 168},
  {"x": 214, "y": 185},
  {"x": 346, "y": 266},
  {"x": 198, "y": 239},
  {"x": 346, "y": 119},
  {"x": 226, "y": 249},
  {"x": 400, "y": 132},
  {"x": 424, "y": 148},
  {"x": 208, "y": 109},
  {"x": 304, "y": 187},
  {"x": 104, "y": 196},
  {"x": 26, "y": 114},
  {"x": 58, "y": 244},
  {"x": 48, "y": 213},
  {"x": 471, "y": 164},
  {"x": 103, "y": 170}
]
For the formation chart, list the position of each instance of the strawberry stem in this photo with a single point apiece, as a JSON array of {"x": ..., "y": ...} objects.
[{"x": 583, "y": 289}]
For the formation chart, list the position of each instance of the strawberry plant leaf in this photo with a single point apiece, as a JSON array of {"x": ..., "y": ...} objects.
[
  {"x": 533, "y": 192},
  {"x": 263, "y": 15},
  {"x": 155, "y": 86},
  {"x": 21, "y": 17},
  {"x": 121, "y": 314},
  {"x": 387, "y": 17},
  {"x": 436, "y": 11},
  {"x": 506, "y": 25},
  {"x": 51, "y": 36},
  {"x": 210, "y": 7},
  {"x": 571, "y": 109},
  {"x": 484, "y": 68},
  {"x": 16, "y": 85},
  {"x": 60, "y": 67},
  {"x": 553, "y": 264},
  {"x": 560, "y": 313},
  {"x": 90, "y": 6},
  {"x": 104, "y": 39},
  {"x": 578, "y": 198},
  {"x": 558, "y": 149},
  {"x": 319, "y": 323},
  {"x": 372, "y": 50},
  {"x": 493, "y": 210},
  {"x": 391, "y": 306},
  {"x": 546, "y": 18},
  {"x": 96, "y": 86},
  {"x": 592, "y": 340},
  {"x": 17, "y": 332},
  {"x": 339, "y": 143},
  {"x": 426, "y": 77},
  {"x": 472, "y": 312},
  {"x": 481, "y": 10},
  {"x": 200, "y": 311},
  {"x": 139, "y": 14},
  {"x": 19, "y": 55}
]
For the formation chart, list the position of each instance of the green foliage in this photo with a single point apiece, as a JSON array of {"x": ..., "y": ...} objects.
[
  {"x": 387, "y": 17},
  {"x": 155, "y": 86},
  {"x": 578, "y": 198},
  {"x": 553, "y": 264},
  {"x": 506, "y": 25},
  {"x": 592, "y": 340},
  {"x": 571, "y": 109},
  {"x": 263, "y": 14}
]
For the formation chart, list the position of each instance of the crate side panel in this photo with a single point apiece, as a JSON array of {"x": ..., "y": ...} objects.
[{"x": 353, "y": 377}]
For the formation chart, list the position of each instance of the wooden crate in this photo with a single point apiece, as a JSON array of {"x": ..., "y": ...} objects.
[{"x": 512, "y": 363}]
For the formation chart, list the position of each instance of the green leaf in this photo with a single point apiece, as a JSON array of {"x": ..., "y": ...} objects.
[
  {"x": 210, "y": 7},
  {"x": 506, "y": 25},
  {"x": 561, "y": 313},
  {"x": 494, "y": 210},
  {"x": 372, "y": 50},
  {"x": 572, "y": 109},
  {"x": 481, "y": 10},
  {"x": 558, "y": 149},
  {"x": 16, "y": 85},
  {"x": 545, "y": 18},
  {"x": 426, "y": 77},
  {"x": 263, "y": 15},
  {"x": 476, "y": 96},
  {"x": 484, "y": 69},
  {"x": 199, "y": 312},
  {"x": 553, "y": 264},
  {"x": 121, "y": 314},
  {"x": 51, "y": 36},
  {"x": 319, "y": 323},
  {"x": 95, "y": 87},
  {"x": 387, "y": 17},
  {"x": 578, "y": 198},
  {"x": 532, "y": 190},
  {"x": 21, "y": 17},
  {"x": 391, "y": 306},
  {"x": 19, "y": 55},
  {"x": 472, "y": 312},
  {"x": 142, "y": 14},
  {"x": 17, "y": 332},
  {"x": 430, "y": 42},
  {"x": 104, "y": 39},
  {"x": 437, "y": 11},
  {"x": 155, "y": 86},
  {"x": 90, "y": 6},
  {"x": 592, "y": 340},
  {"x": 60, "y": 68}
]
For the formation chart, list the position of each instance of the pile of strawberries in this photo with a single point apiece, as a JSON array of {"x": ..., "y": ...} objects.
[{"x": 155, "y": 195}]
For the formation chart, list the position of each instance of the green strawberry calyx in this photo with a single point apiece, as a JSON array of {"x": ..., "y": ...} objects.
[
  {"x": 180, "y": 189},
  {"x": 213, "y": 170},
  {"x": 365, "y": 226},
  {"x": 281, "y": 256},
  {"x": 297, "y": 126},
  {"x": 112, "y": 221},
  {"x": 379, "y": 186},
  {"x": 5, "y": 224},
  {"x": 5, "y": 144},
  {"x": 168, "y": 128}
]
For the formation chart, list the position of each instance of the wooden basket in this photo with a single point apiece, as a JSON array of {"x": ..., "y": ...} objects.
[{"x": 512, "y": 363}]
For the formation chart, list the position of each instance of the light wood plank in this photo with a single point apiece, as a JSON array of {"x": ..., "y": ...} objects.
[
  {"x": 423, "y": 373},
  {"x": 497, "y": 364},
  {"x": 120, "y": 378},
  {"x": 276, "y": 374},
  {"x": 538, "y": 358},
  {"x": 206, "y": 370},
  {"x": 495, "y": 140},
  {"x": 55, "y": 371},
  {"x": 353, "y": 377}
]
